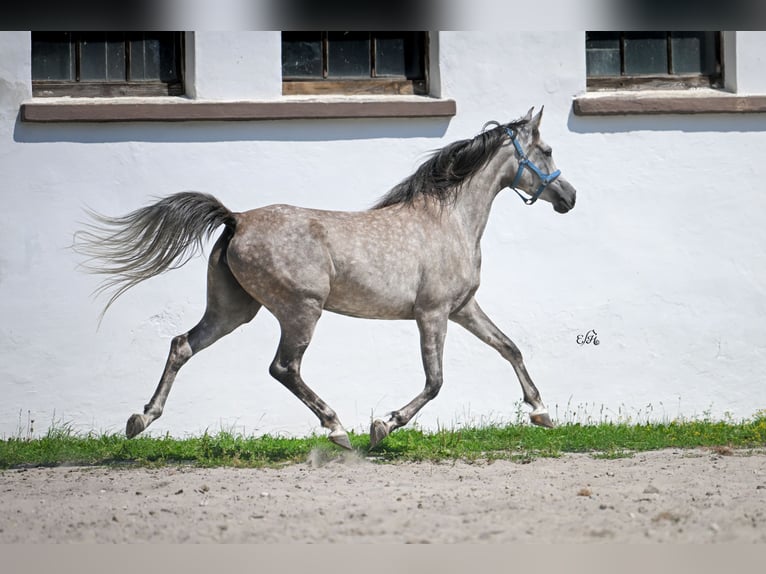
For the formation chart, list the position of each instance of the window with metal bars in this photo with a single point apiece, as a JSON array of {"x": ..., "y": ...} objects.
[
  {"x": 627, "y": 60},
  {"x": 107, "y": 64},
  {"x": 354, "y": 62}
]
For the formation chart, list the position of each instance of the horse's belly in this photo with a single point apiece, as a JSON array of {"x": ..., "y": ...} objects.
[{"x": 384, "y": 297}]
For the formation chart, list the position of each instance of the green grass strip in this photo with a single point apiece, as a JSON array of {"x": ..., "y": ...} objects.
[{"x": 521, "y": 442}]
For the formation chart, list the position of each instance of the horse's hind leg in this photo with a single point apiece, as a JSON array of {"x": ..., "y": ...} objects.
[
  {"x": 474, "y": 320},
  {"x": 297, "y": 324},
  {"x": 228, "y": 307}
]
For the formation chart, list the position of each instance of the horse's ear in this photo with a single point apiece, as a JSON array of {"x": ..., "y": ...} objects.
[
  {"x": 528, "y": 117},
  {"x": 535, "y": 122}
]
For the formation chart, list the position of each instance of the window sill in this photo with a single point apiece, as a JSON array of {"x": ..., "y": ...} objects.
[
  {"x": 702, "y": 101},
  {"x": 100, "y": 110}
]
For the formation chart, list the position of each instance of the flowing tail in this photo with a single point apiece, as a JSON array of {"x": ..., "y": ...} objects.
[{"x": 150, "y": 240}]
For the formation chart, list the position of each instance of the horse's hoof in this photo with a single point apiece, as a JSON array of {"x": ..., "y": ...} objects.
[
  {"x": 136, "y": 425},
  {"x": 378, "y": 431},
  {"x": 340, "y": 438},
  {"x": 542, "y": 420}
]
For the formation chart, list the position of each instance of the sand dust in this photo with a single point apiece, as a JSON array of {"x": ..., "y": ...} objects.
[{"x": 666, "y": 496}]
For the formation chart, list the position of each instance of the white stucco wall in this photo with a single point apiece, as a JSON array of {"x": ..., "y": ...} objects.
[{"x": 664, "y": 254}]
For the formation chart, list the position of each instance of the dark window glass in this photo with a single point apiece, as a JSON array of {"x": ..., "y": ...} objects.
[
  {"x": 302, "y": 54},
  {"x": 693, "y": 52},
  {"x": 603, "y": 53},
  {"x": 53, "y": 56},
  {"x": 664, "y": 59},
  {"x": 354, "y": 62},
  {"x": 153, "y": 56},
  {"x": 102, "y": 57},
  {"x": 107, "y": 63},
  {"x": 646, "y": 53},
  {"x": 348, "y": 55},
  {"x": 399, "y": 54}
]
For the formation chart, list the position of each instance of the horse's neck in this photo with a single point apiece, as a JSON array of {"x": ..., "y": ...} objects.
[{"x": 474, "y": 201}]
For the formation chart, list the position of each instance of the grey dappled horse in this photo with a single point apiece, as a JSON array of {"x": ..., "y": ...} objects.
[{"x": 415, "y": 255}]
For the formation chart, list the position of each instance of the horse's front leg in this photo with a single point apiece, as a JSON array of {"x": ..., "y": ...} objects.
[
  {"x": 433, "y": 329},
  {"x": 476, "y": 321}
]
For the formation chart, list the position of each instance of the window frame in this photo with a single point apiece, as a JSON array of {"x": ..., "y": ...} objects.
[
  {"x": 382, "y": 85},
  {"x": 669, "y": 81},
  {"x": 105, "y": 88}
]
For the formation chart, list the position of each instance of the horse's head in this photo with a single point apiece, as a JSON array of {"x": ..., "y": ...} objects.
[{"x": 534, "y": 170}]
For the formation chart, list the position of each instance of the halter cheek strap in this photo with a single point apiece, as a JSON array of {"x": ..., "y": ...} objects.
[{"x": 525, "y": 163}]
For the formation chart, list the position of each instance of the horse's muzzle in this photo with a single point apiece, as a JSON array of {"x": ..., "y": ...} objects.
[{"x": 565, "y": 195}]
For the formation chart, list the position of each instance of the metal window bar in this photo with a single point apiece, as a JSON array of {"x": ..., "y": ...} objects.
[
  {"x": 325, "y": 55},
  {"x": 77, "y": 57},
  {"x": 622, "y": 53},
  {"x": 128, "y": 59},
  {"x": 373, "y": 72}
]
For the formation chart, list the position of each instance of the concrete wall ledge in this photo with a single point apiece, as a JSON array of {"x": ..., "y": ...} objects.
[
  {"x": 667, "y": 102},
  {"x": 182, "y": 110}
]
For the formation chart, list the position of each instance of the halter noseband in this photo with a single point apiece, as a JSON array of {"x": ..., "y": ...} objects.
[{"x": 525, "y": 163}]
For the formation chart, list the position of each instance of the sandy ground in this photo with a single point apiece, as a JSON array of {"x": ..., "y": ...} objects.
[{"x": 667, "y": 496}]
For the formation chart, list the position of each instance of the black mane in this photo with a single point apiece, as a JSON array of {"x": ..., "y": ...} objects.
[{"x": 441, "y": 176}]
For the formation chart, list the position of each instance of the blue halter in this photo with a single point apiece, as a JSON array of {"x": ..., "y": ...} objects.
[{"x": 525, "y": 163}]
